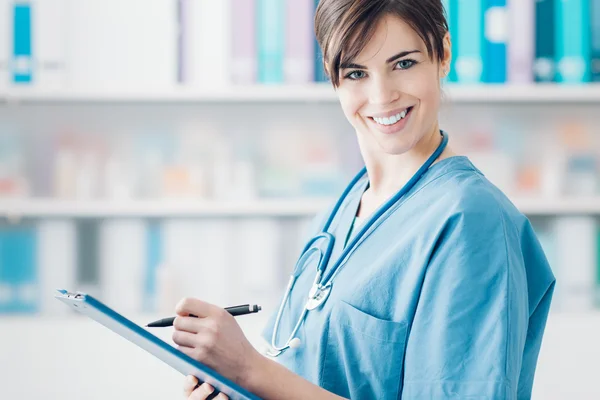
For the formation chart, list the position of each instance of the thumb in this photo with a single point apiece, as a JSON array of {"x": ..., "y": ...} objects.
[{"x": 196, "y": 307}]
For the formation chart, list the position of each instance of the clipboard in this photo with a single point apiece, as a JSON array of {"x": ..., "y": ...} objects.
[{"x": 101, "y": 313}]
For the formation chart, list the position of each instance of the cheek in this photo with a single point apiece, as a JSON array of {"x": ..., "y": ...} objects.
[
  {"x": 351, "y": 106},
  {"x": 426, "y": 88}
]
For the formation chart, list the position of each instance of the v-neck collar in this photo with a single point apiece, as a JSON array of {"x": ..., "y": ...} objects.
[{"x": 346, "y": 218}]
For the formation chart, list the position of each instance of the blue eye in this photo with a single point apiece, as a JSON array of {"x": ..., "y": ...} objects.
[
  {"x": 356, "y": 75},
  {"x": 406, "y": 64}
]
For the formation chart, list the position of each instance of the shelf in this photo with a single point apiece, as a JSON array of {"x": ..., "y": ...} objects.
[
  {"x": 15, "y": 209},
  {"x": 251, "y": 93},
  {"x": 538, "y": 93},
  {"x": 540, "y": 206},
  {"x": 159, "y": 208}
]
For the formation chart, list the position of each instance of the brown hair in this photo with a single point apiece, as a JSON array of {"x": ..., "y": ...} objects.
[{"x": 344, "y": 27}]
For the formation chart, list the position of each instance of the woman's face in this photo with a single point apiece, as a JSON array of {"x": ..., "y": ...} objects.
[{"x": 391, "y": 92}]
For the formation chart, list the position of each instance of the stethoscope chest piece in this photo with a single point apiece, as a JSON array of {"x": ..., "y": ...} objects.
[{"x": 317, "y": 296}]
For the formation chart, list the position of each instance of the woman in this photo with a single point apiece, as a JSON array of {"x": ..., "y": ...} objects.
[{"x": 443, "y": 291}]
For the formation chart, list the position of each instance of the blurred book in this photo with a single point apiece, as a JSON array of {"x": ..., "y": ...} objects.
[
  {"x": 5, "y": 43},
  {"x": 116, "y": 45},
  {"x": 496, "y": 31},
  {"x": 598, "y": 265},
  {"x": 547, "y": 237},
  {"x": 573, "y": 41},
  {"x": 595, "y": 40},
  {"x": 470, "y": 54},
  {"x": 257, "y": 261},
  {"x": 521, "y": 41},
  {"x": 50, "y": 40},
  {"x": 19, "y": 275},
  {"x": 57, "y": 260},
  {"x": 123, "y": 264},
  {"x": 320, "y": 74},
  {"x": 271, "y": 41},
  {"x": 197, "y": 254},
  {"x": 22, "y": 64},
  {"x": 88, "y": 256},
  {"x": 207, "y": 27},
  {"x": 577, "y": 261},
  {"x": 545, "y": 40},
  {"x": 299, "y": 32},
  {"x": 244, "y": 60},
  {"x": 154, "y": 261}
]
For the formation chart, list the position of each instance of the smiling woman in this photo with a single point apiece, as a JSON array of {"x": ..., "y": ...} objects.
[
  {"x": 430, "y": 284},
  {"x": 386, "y": 60}
]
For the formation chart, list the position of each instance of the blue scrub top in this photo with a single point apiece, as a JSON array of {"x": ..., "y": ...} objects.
[{"x": 445, "y": 297}]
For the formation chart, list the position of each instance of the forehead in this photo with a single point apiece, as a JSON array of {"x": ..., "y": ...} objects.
[{"x": 391, "y": 36}]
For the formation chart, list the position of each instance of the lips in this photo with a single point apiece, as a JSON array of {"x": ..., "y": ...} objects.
[{"x": 390, "y": 129}]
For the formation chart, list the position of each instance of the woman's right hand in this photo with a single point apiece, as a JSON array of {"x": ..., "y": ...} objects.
[{"x": 194, "y": 392}]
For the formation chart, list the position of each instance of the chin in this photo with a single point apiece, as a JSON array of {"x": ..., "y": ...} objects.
[
  {"x": 395, "y": 145},
  {"x": 394, "y": 150}
]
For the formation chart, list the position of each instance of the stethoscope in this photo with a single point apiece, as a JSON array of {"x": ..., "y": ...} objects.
[{"x": 321, "y": 286}]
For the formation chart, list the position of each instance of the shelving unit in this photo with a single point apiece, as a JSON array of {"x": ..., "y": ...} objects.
[{"x": 538, "y": 93}]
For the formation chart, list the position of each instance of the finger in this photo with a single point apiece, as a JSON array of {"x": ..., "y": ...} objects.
[
  {"x": 221, "y": 396},
  {"x": 188, "y": 324},
  {"x": 189, "y": 385},
  {"x": 185, "y": 339},
  {"x": 197, "y": 307},
  {"x": 213, "y": 395},
  {"x": 190, "y": 351},
  {"x": 202, "y": 392}
]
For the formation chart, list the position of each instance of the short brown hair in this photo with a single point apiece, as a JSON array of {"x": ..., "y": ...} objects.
[{"x": 344, "y": 27}]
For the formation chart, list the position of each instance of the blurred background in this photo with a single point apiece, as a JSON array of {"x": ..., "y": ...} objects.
[{"x": 156, "y": 149}]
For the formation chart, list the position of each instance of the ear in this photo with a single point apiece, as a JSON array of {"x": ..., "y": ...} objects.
[{"x": 447, "y": 59}]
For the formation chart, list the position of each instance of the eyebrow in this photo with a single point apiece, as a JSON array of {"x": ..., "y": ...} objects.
[{"x": 389, "y": 60}]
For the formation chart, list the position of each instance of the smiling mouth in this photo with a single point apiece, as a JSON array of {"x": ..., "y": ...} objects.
[{"x": 393, "y": 120}]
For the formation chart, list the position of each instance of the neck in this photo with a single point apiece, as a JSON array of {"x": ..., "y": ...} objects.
[{"x": 388, "y": 173}]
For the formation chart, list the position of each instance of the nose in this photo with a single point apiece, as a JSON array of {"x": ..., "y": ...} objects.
[{"x": 383, "y": 91}]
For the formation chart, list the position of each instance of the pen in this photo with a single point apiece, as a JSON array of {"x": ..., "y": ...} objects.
[{"x": 235, "y": 311}]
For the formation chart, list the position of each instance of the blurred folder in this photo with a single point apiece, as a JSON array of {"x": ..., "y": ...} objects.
[
  {"x": 244, "y": 62},
  {"x": 299, "y": 53},
  {"x": 57, "y": 259},
  {"x": 521, "y": 42},
  {"x": 118, "y": 45}
]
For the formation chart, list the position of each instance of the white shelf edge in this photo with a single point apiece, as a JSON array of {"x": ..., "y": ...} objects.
[
  {"x": 538, "y": 93},
  {"x": 316, "y": 92},
  {"x": 539, "y": 206},
  {"x": 159, "y": 208},
  {"x": 15, "y": 209}
]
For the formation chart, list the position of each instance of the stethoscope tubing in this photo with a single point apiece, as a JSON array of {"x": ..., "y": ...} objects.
[{"x": 330, "y": 239}]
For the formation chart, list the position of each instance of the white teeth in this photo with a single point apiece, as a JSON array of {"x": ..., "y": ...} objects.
[{"x": 391, "y": 120}]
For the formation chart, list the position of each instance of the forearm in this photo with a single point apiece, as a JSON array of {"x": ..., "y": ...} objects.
[{"x": 270, "y": 380}]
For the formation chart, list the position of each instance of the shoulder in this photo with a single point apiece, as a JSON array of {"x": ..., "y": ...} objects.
[{"x": 465, "y": 198}]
